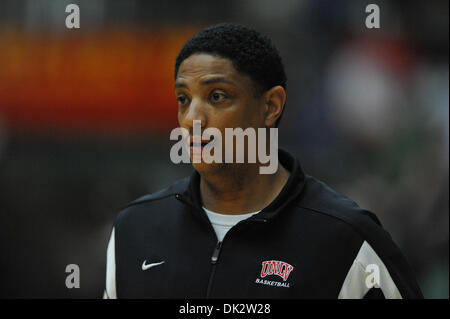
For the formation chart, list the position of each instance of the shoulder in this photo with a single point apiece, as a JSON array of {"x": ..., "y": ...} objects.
[
  {"x": 177, "y": 187},
  {"x": 338, "y": 210},
  {"x": 320, "y": 198},
  {"x": 344, "y": 215},
  {"x": 156, "y": 201}
]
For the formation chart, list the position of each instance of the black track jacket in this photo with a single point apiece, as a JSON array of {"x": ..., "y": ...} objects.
[{"x": 310, "y": 242}]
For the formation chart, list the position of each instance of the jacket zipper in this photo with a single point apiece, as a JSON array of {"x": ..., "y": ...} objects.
[
  {"x": 216, "y": 254},
  {"x": 214, "y": 261},
  {"x": 217, "y": 248}
]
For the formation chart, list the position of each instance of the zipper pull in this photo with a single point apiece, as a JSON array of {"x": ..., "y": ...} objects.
[{"x": 215, "y": 256}]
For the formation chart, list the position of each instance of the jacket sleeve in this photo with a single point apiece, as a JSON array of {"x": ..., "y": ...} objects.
[
  {"x": 110, "y": 286},
  {"x": 378, "y": 255},
  {"x": 368, "y": 277}
]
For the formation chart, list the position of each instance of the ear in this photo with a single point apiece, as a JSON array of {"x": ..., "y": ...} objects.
[{"x": 274, "y": 100}]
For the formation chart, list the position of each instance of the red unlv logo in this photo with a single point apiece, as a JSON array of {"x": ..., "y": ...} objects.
[{"x": 276, "y": 267}]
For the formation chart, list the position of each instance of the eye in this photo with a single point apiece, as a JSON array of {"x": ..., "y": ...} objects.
[
  {"x": 218, "y": 96},
  {"x": 182, "y": 99}
]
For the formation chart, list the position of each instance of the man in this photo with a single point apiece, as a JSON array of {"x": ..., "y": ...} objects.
[{"x": 229, "y": 231}]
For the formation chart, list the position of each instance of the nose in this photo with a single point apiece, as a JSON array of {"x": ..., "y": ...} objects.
[{"x": 195, "y": 111}]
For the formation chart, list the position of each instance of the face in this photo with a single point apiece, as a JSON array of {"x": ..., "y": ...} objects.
[{"x": 209, "y": 89}]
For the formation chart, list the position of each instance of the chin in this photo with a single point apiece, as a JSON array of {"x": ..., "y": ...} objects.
[{"x": 206, "y": 169}]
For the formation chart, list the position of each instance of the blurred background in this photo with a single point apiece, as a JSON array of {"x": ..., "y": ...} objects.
[{"x": 85, "y": 117}]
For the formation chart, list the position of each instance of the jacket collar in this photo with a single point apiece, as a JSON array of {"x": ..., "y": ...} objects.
[{"x": 291, "y": 189}]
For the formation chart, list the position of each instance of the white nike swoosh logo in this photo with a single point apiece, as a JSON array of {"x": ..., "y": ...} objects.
[{"x": 147, "y": 266}]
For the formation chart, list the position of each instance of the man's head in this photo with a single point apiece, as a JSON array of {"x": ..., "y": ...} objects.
[
  {"x": 228, "y": 75},
  {"x": 250, "y": 53}
]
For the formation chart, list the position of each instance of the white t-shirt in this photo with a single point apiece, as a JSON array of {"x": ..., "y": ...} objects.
[{"x": 222, "y": 223}]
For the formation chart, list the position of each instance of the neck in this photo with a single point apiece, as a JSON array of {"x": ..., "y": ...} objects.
[{"x": 240, "y": 189}]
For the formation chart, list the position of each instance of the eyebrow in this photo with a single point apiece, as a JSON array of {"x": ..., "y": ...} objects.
[{"x": 207, "y": 82}]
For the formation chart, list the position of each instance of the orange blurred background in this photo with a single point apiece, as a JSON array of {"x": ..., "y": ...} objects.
[{"x": 113, "y": 81}]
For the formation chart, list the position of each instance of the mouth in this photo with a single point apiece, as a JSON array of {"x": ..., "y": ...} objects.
[
  {"x": 202, "y": 143},
  {"x": 197, "y": 148}
]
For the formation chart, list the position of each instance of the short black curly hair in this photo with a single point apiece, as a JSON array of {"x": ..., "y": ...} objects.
[{"x": 250, "y": 52}]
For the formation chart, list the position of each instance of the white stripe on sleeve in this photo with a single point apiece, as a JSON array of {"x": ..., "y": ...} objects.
[
  {"x": 110, "y": 288},
  {"x": 367, "y": 263}
]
